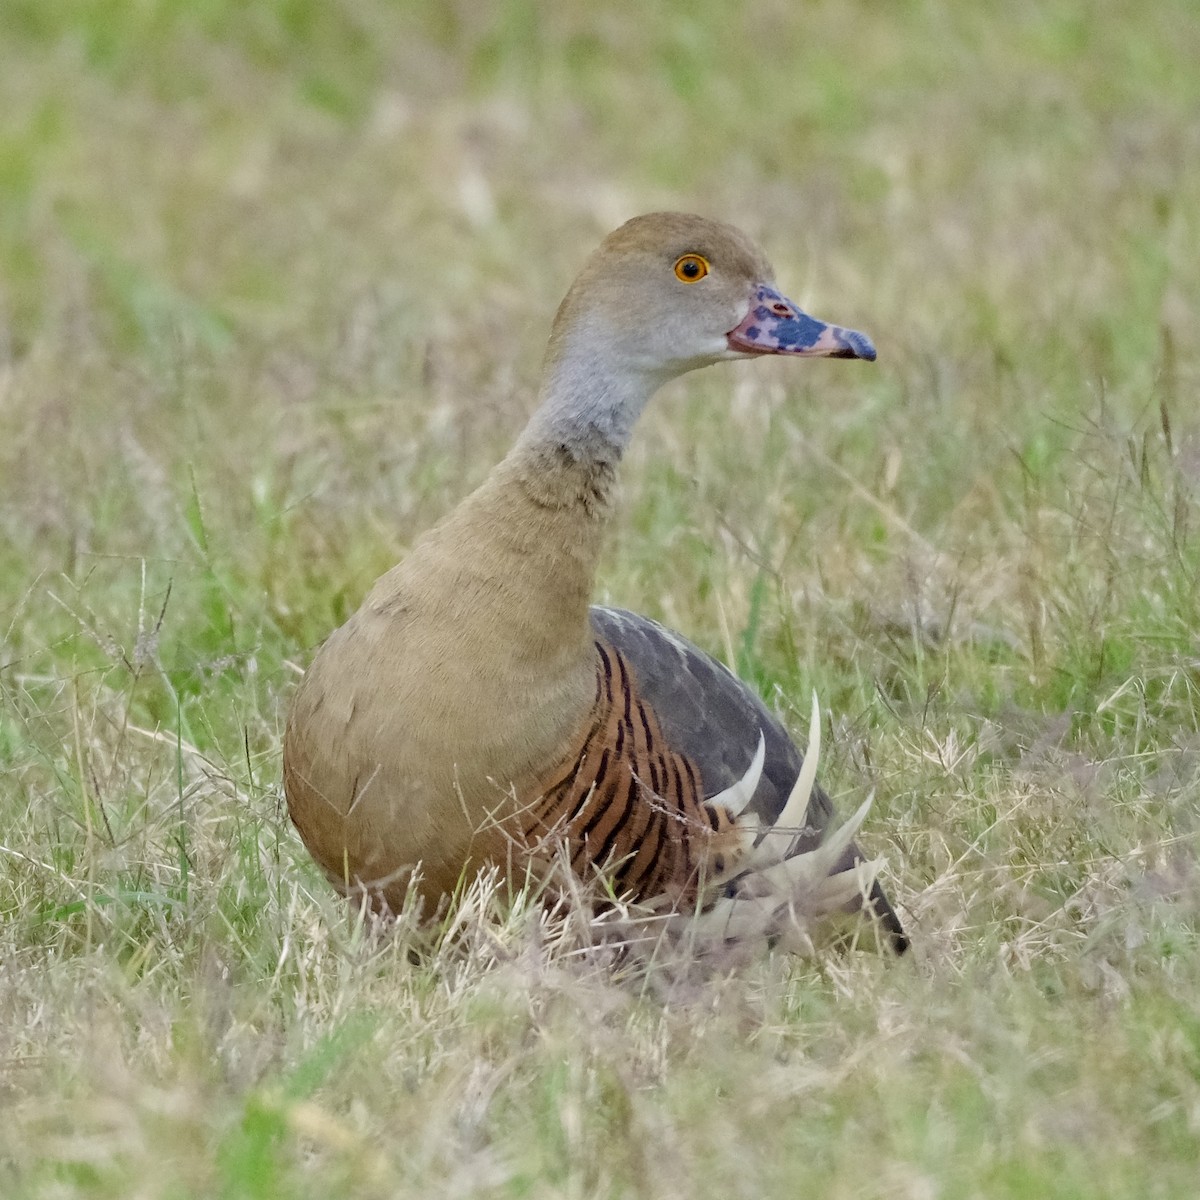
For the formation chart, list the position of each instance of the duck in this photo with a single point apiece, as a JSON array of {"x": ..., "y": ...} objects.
[{"x": 477, "y": 710}]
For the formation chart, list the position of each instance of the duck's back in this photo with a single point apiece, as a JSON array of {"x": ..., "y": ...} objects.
[
  {"x": 709, "y": 715},
  {"x": 670, "y": 731}
]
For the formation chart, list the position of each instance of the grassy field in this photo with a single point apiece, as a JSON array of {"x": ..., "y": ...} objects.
[{"x": 274, "y": 283}]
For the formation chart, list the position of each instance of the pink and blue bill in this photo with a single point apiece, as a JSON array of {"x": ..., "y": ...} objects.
[{"x": 774, "y": 325}]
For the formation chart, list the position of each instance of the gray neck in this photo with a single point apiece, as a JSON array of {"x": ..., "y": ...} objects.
[{"x": 589, "y": 408}]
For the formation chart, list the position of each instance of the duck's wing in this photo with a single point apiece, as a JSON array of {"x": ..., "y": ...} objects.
[{"x": 711, "y": 719}]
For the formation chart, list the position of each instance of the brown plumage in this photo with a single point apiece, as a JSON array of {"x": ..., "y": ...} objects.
[{"x": 476, "y": 710}]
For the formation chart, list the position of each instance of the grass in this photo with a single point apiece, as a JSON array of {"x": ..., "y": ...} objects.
[{"x": 274, "y": 281}]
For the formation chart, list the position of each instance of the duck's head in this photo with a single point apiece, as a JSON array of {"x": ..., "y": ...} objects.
[
  {"x": 662, "y": 295},
  {"x": 668, "y": 292}
]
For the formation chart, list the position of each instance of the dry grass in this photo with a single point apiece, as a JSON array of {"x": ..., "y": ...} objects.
[{"x": 274, "y": 280}]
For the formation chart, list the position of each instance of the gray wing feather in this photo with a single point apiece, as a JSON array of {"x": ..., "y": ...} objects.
[
  {"x": 711, "y": 717},
  {"x": 708, "y": 714}
]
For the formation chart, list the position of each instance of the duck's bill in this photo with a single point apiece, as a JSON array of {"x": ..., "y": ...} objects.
[{"x": 774, "y": 325}]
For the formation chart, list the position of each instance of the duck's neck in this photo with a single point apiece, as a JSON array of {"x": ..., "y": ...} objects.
[
  {"x": 534, "y": 529},
  {"x": 586, "y": 408},
  {"x": 564, "y": 465}
]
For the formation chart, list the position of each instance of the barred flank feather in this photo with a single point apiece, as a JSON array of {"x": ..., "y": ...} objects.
[{"x": 627, "y": 803}]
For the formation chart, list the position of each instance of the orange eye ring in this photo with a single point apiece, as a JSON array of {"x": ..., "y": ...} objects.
[{"x": 691, "y": 268}]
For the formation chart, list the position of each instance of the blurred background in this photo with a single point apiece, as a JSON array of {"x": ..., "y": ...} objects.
[{"x": 275, "y": 280}]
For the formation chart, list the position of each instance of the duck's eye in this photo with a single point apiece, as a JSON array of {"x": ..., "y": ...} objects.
[{"x": 691, "y": 267}]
